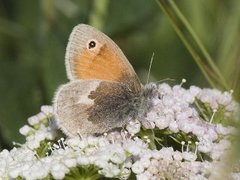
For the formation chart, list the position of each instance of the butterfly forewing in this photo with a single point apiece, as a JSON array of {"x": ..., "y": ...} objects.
[{"x": 103, "y": 61}]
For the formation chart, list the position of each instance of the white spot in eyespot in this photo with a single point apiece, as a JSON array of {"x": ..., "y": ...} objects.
[{"x": 92, "y": 44}]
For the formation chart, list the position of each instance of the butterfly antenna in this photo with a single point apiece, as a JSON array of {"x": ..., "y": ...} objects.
[
  {"x": 150, "y": 67},
  {"x": 166, "y": 79}
]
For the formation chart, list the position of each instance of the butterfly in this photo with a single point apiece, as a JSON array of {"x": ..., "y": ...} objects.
[{"x": 104, "y": 92}]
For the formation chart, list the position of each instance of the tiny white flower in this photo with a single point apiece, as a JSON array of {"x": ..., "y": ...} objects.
[
  {"x": 83, "y": 160},
  {"x": 38, "y": 170},
  {"x": 134, "y": 147},
  {"x": 224, "y": 98},
  {"x": 233, "y": 107},
  {"x": 33, "y": 120},
  {"x": 211, "y": 134},
  {"x": 137, "y": 168},
  {"x": 155, "y": 154},
  {"x": 133, "y": 127},
  {"x": 162, "y": 122},
  {"x": 194, "y": 90},
  {"x": 14, "y": 173},
  {"x": 168, "y": 111},
  {"x": 58, "y": 171},
  {"x": 205, "y": 145},
  {"x": 185, "y": 126},
  {"x": 164, "y": 89},
  {"x": 189, "y": 156},
  {"x": 176, "y": 107},
  {"x": 25, "y": 130},
  {"x": 83, "y": 144},
  {"x": 125, "y": 173},
  {"x": 101, "y": 163},
  {"x": 177, "y": 89},
  {"x": 32, "y": 143},
  {"x": 73, "y": 142},
  {"x": 173, "y": 126},
  {"x": 40, "y": 135},
  {"x": 198, "y": 130},
  {"x": 47, "y": 109},
  {"x": 41, "y": 116},
  {"x": 225, "y": 130},
  {"x": 114, "y": 153},
  {"x": 110, "y": 170},
  {"x": 145, "y": 162},
  {"x": 72, "y": 162},
  {"x": 156, "y": 102},
  {"x": 152, "y": 115},
  {"x": 128, "y": 163},
  {"x": 177, "y": 155},
  {"x": 166, "y": 153},
  {"x": 153, "y": 169},
  {"x": 168, "y": 101},
  {"x": 154, "y": 162},
  {"x": 189, "y": 98},
  {"x": 143, "y": 176}
]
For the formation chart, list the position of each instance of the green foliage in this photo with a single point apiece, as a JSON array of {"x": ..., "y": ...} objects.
[
  {"x": 83, "y": 173},
  {"x": 33, "y": 37},
  {"x": 193, "y": 44}
]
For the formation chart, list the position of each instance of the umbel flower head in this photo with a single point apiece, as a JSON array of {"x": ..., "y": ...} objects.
[{"x": 185, "y": 134}]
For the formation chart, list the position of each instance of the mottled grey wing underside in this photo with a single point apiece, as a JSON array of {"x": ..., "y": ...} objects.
[{"x": 94, "y": 106}]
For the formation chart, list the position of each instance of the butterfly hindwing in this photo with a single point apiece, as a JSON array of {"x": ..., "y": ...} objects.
[{"x": 93, "y": 106}]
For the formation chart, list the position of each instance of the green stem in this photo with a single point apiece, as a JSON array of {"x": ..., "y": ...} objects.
[
  {"x": 193, "y": 44},
  {"x": 99, "y": 13}
]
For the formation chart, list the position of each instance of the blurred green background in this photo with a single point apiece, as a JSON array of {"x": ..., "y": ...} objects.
[{"x": 34, "y": 35}]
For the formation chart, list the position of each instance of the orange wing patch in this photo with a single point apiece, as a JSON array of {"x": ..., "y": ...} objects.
[{"x": 103, "y": 65}]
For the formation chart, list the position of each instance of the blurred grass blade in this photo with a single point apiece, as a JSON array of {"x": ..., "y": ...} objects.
[
  {"x": 11, "y": 28},
  {"x": 193, "y": 44},
  {"x": 99, "y": 13}
]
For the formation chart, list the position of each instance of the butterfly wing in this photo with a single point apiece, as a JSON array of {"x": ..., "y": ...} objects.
[
  {"x": 94, "y": 106},
  {"x": 104, "y": 91},
  {"x": 92, "y": 55}
]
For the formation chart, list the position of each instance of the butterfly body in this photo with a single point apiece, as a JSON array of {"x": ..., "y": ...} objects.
[{"x": 104, "y": 91}]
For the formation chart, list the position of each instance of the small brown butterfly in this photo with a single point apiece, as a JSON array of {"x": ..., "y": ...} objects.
[{"x": 104, "y": 91}]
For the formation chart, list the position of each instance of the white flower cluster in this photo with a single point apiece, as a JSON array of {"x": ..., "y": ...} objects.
[
  {"x": 171, "y": 110},
  {"x": 169, "y": 164},
  {"x": 40, "y": 128},
  {"x": 174, "y": 108}
]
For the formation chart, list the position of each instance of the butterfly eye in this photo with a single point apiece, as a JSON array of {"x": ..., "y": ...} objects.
[{"x": 92, "y": 44}]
